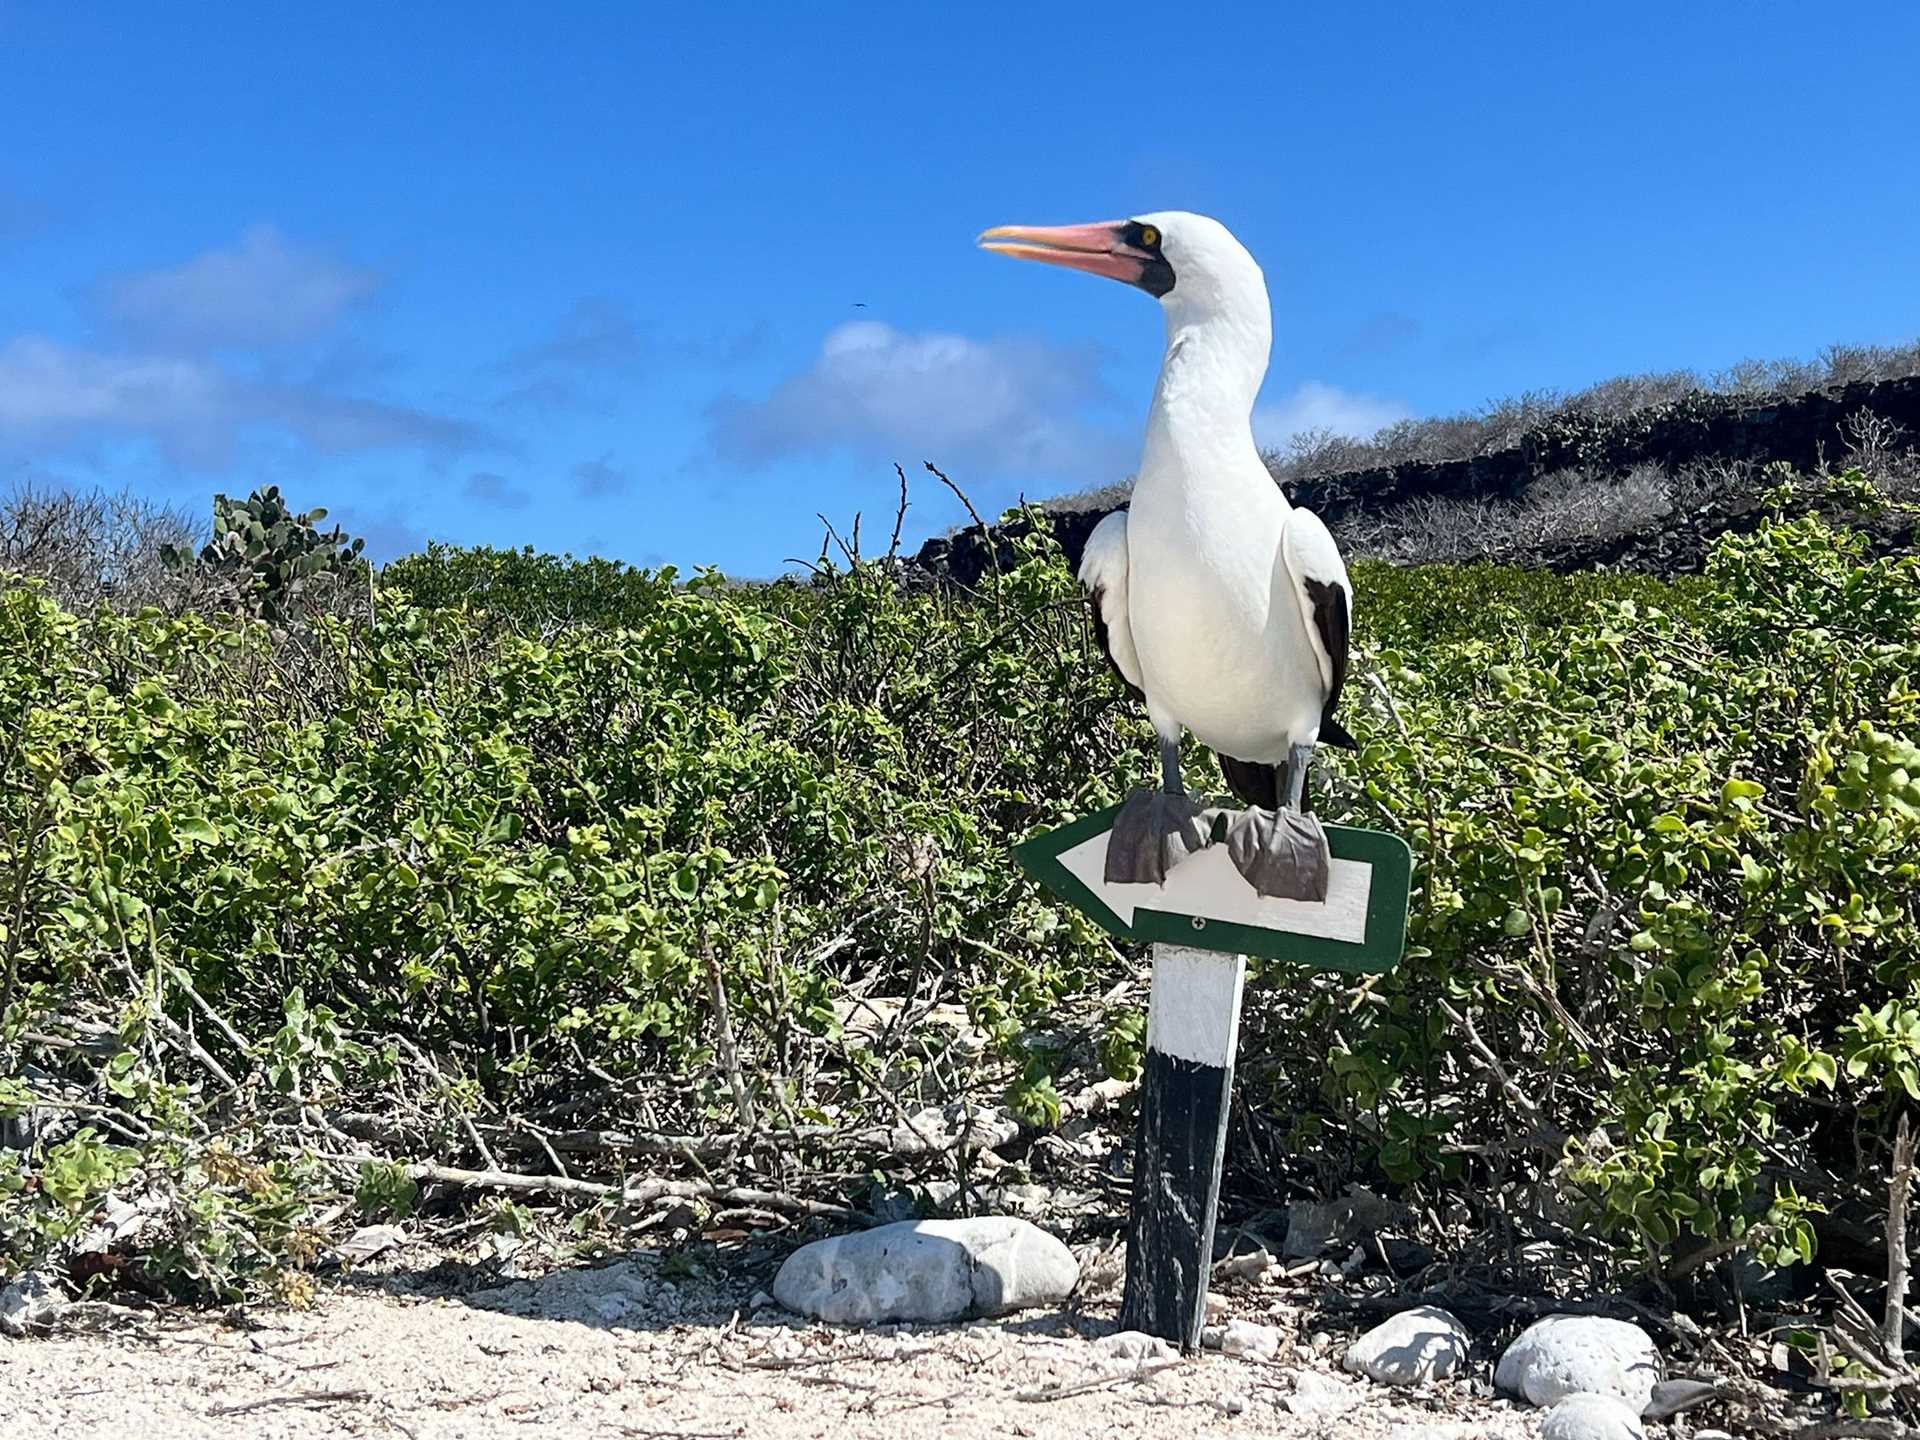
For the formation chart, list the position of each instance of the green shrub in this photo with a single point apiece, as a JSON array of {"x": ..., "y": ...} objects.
[{"x": 1664, "y": 840}]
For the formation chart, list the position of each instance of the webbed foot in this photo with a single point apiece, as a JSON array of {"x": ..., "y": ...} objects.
[
  {"x": 1281, "y": 853},
  {"x": 1153, "y": 832}
]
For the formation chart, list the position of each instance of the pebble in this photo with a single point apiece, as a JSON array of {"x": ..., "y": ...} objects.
[
  {"x": 1411, "y": 1348},
  {"x": 33, "y": 1299},
  {"x": 1252, "y": 1266},
  {"x": 1585, "y": 1416},
  {"x": 1133, "y": 1345},
  {"x": 369, "y": 1241},
  {"x": 1230, "y": 1402},
  {"x": 929, "y": 1271},
  {"x": 1320, "y": 1396},
  {"x": 1243, "y": 1340},
  {"x": 1570, "y": 1354},
  {"x": 1246, "y": 1340}
]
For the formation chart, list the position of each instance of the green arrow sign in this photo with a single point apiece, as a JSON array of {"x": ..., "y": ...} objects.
[{"x": 1206, "y": 905}]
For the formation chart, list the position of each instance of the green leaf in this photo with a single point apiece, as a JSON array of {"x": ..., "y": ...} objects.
[{"x": 196, "y": 828}]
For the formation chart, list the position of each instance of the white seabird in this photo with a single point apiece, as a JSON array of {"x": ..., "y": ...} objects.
[{"x": 1226, "y": 608}]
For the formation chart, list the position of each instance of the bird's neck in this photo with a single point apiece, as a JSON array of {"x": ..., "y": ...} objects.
[{"x": 1202, "y": 418}]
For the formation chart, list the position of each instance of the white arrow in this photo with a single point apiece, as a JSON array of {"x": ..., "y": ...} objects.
[{"x": 1205, "y": 884}]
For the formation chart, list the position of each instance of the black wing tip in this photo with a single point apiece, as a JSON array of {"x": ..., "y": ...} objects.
[{"x": 1333, "y": 733}]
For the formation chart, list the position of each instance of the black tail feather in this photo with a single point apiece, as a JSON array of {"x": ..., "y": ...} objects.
[
  {"x": 1332, "y": 732},
  {"x": 1251, "y": 782}
]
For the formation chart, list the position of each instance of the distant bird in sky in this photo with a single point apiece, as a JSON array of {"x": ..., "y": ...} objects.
[
  {"x": 1221, "y": 605},
  {"x": 859, "y": 304}
]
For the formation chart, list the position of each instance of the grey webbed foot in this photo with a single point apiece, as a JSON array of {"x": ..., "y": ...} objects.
[
  {"x": 1153, "y": 832},
  {"x": 1281, "y": 853}
]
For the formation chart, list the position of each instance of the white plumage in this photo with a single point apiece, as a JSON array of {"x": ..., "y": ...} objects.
[
  {"x": 1226, "y": 607},
  {"x": 1203, "y": 587}
]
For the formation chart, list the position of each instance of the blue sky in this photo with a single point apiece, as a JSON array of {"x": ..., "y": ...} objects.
[{"x": 662, "y": 282}]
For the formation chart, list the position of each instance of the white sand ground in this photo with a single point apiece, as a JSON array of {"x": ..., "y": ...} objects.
[{"x": 627, "y": 1350}]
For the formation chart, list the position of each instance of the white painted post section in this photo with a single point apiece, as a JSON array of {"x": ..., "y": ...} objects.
[
  {"x": 1194, "y": 1011},
  {"x": 1193, "y": 1028}
]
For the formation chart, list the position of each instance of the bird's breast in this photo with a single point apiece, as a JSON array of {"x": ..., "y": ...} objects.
[{"x": 1221, "y": 645}]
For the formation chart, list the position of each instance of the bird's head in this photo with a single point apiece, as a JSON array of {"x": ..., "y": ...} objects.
[{"x": 1190, "y": 263}]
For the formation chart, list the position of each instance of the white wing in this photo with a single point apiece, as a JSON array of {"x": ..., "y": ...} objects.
[
  {"x": 1325, "y": 594},
  {"x": 1103, "y": 570}
]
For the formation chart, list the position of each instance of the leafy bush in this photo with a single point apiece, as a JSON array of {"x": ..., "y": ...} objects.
[{"x": 484, "y": 853}]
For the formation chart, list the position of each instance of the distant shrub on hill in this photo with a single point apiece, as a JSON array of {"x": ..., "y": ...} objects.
[
  {"x": 1509, "y": 423},
  {"x": 525, "y": 585}
]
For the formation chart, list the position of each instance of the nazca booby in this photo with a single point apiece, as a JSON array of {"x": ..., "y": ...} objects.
[{"x": 1225, "y": 608}]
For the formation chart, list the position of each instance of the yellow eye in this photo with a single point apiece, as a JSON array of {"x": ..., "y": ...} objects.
[{"x": 1149, "y": 236}]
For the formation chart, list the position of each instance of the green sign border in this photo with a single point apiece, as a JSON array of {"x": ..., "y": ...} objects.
[{"x": 1392, "y": 862}]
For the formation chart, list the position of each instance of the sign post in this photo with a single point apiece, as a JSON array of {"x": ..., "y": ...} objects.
[{"x": 1202, "y": 924}]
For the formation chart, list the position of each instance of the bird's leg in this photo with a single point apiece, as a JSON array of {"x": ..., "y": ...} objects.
[
  {"x": 1171, "y": 782},
  {"x": 1283, "y": 853},
  {"x": 1156, "y": 829},
  {"x": 1298, "y": 759}
]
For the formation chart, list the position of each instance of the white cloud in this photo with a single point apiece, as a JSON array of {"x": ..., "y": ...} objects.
[
  {"x": 1319, "y": 406},
  {"x": 1005, "y": 405},
  {"x": 193, "y": 410},
  {"x": 265, "y": 291}
]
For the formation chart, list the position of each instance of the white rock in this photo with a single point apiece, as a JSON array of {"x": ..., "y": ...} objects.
[
  {"x": 927, "y": 1270},
  {"x": 1132, "y": 1345},
  {"x": 1412, "y": 1348},
  {"x": 1246, "y": 1340},
  {"x": 1216, "y": 1308},
  {"x": 1230, "y": 1402},
  {"x": 33, "y": 1299},
  {"x": 369, "y": 1241},
  {"x": 1586, "y": 1416},
  {"x": 1569, "y": 1354},
  {"x": 1320, "y": 1396},
  {"x": 1252, "y": 1266}
]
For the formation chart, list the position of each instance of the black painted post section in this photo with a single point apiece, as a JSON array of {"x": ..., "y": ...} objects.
[{"x": 1192, "y": 1028}]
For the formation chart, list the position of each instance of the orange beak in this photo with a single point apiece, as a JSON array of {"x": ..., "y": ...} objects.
[{"x": 1099, "y": 249}]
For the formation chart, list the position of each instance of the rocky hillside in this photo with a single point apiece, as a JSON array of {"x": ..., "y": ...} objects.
[{"x": 1649, "y": 489}]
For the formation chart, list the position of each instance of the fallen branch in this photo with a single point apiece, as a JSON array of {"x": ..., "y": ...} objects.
[
  {"x": 1060, "y": 1390},
  {"x": 298, "y": 1397},
  {"x": 634, "y": 1192},
  {"x": 647, "y": 1191}
]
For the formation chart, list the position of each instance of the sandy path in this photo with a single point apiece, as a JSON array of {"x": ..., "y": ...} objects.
[{"x": 623, "y": 1350}]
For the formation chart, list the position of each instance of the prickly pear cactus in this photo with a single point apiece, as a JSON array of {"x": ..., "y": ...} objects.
[{"x": 263, "y": 557}]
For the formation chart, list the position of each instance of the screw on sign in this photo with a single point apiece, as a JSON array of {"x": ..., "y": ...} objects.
[{"x": 1202, "y": 922}]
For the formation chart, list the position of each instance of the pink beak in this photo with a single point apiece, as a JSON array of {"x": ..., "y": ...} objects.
[{"x": 1099, "y": 249}]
